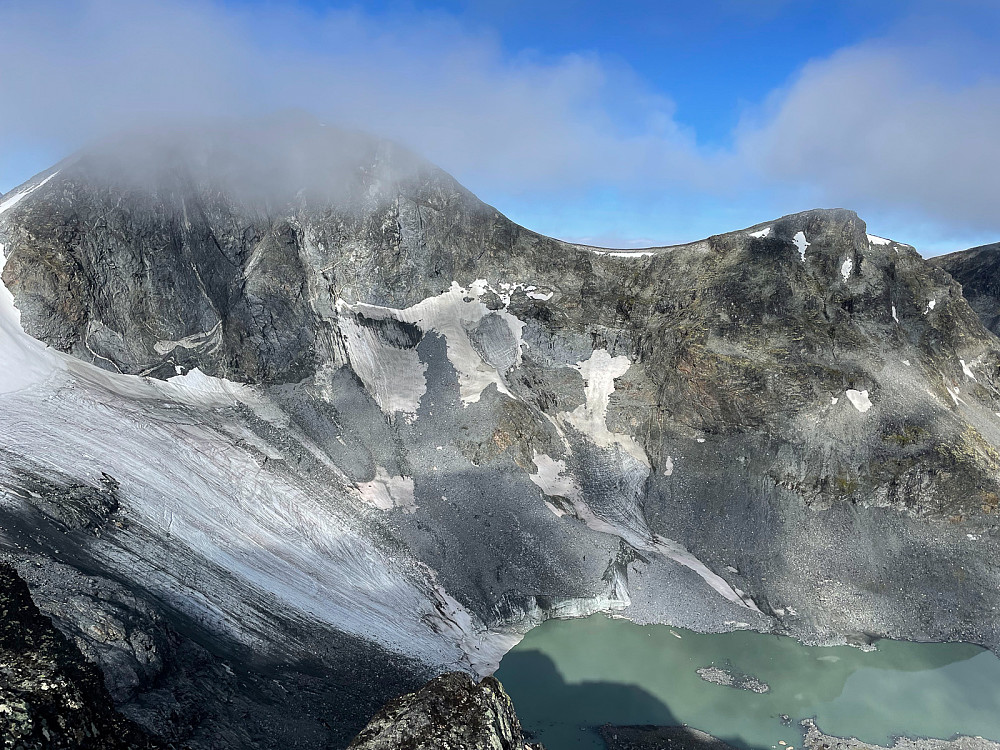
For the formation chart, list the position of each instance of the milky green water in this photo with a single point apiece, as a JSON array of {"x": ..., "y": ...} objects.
[{"x": 569, "y": 676}]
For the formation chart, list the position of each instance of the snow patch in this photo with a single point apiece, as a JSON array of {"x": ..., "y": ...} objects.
[
  {"x": 553, "y": 480},
  {"x": 930, "y": 306},
  {"x": 894, "y": 316},
  {"x": 18, "y": 197},
  {"x": 24, "y": 361},
  {"x": 875, "y": 240},
  {"x": 760, "y": 234},
  {"x": 954, "y": 393},
  {"x": 452, "y": 314},
  {"x": 599, "y": 373},
  {"x": 966, "y": 369},
  {"x": 386, "y": 492},
  {"x": 801, "y": 243},
  {"x": 394, "y": 376},
  {"x": 668, "y": 466},
  {"x": 622, "y": 253},
  {"x": 846, "y": 268},
  {"x": 859, "y": 399},
  {"x": 211, "y": 339}
]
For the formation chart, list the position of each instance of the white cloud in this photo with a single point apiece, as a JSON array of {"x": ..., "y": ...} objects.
[{"x": 872, "y": 126}]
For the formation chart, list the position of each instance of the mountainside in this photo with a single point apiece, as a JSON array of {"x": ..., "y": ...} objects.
[
  {"x": 305, "y": 408},
  {"x": 978, "y": 271}
]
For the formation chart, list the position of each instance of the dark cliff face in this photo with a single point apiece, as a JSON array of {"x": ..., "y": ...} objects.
[
  {"x": 978, "y": 271},
  {"x": 50, "y": 696},
  {"x": 438, "y": 428}
]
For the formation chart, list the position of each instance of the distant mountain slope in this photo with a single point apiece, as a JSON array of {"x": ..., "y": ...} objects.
[
  {"x": 978, "y": 271},
  {"x": 312, "y": 400}
]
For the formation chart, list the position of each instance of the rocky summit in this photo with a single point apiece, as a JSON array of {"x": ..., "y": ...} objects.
[{"x": 291, "y": 422}]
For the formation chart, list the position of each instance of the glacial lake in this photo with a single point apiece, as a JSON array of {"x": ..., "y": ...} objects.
[{"x": 568, "y": 677}]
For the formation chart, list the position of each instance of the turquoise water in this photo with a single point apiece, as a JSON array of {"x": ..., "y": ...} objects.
[{"x": 568, "y": 676}]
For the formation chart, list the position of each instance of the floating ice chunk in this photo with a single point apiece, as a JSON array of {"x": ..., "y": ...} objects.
[
  {"x": 801, "y": 243},
  {"x": 965, "y": 368},
  {"x": 878, "y": 240},
  {"x": 859, "y": 399},
  {"x": 760, "y": 234},
  {"x": 846, "y": 268}
]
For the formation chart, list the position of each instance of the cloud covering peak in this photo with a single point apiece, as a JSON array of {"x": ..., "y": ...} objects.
[{"x": 872, "y": 127}]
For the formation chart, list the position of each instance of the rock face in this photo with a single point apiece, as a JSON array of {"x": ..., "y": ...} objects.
[
  {"x": 978, "y": 271},
  {"x": 50, "y": 696},
  {"x": 815, "y": 739},
  {"x": 303, "y": 403},
  {"x": 732, "y": 679},
  {"x": 451, "y": 711}
]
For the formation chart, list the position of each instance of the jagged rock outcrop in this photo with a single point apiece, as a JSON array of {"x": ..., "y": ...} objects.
[
  {"x": 309, "y": 399},
  {"x": 451, "y": 711},
  {"x": 51, "y": 698}
]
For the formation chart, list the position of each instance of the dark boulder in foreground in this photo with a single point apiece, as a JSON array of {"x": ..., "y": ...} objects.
[
  {"x": 451, "y": 711},
  {"x": 50, "y": 697}
]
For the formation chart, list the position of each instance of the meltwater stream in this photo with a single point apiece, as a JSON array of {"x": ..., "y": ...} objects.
[{"x": 568, "y": 677}]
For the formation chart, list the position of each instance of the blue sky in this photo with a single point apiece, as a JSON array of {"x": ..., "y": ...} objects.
[{"x": 621, "y": 124}]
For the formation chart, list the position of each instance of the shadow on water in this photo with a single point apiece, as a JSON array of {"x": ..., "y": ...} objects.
[{"x": 566, "y": 716}]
